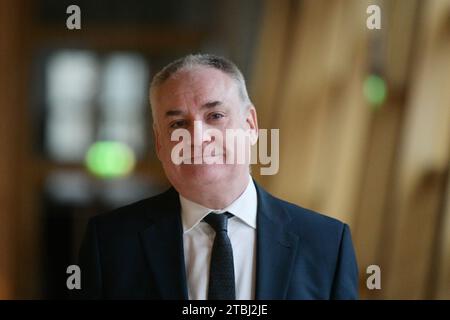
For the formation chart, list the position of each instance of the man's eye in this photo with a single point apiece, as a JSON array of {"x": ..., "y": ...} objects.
[
  {"x": 216, "y": 116},
  {"x": 178, "y": 124}
]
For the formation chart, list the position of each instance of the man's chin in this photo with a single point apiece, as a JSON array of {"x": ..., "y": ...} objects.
[{"x": 204, "y": 173}]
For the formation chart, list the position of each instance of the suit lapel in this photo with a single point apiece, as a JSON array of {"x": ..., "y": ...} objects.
[
  {"x": 276, "y": 249},
  {"x": 163, "y": 246}
]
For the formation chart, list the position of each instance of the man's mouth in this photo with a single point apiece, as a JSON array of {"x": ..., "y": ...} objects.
[{"x": 202, "y": 158}]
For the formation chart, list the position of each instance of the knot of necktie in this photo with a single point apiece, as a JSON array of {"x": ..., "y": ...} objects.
[{"x": 218, "y": 221}]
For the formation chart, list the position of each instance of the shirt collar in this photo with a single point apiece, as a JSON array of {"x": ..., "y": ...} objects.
[{"x": 244, "y": 207}]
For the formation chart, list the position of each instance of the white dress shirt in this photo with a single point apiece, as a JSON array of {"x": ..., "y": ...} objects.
[{"x": 198, "y": 239}]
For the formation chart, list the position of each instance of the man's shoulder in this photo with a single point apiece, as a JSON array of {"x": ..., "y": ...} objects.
[
  {"x": 306, "y": 215},
  {"x": 136, "y": 214},
  {"x": 318, "y": 233},
  {"x": 307, "y": 222}
]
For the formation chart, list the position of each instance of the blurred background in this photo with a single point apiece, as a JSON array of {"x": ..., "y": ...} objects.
[{"x": 364, "y": 119}]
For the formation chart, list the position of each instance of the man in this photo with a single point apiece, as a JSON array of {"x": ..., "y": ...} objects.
[{"x": 215, "y": 234}]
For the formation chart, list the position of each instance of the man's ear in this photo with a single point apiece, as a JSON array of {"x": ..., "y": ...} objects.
[
  {"x": 157, "y": 141},
  {"x": 252, "y": 121}
]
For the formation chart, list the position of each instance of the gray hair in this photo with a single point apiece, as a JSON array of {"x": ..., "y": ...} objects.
[{"x": 206, "y": 60}]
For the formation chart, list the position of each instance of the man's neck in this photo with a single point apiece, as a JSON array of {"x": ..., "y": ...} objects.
[{"x": 218, "y": 197}]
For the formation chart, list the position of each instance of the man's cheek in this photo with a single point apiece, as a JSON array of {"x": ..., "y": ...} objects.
[{"x": 170, "y": 153}]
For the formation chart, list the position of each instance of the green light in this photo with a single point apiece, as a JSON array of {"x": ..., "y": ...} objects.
[
  {"x": 110, "y": 159},
  {"x": 375, "y": 90}
]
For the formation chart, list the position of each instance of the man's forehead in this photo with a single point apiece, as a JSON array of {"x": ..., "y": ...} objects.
[{"x": 198, "y": 85}]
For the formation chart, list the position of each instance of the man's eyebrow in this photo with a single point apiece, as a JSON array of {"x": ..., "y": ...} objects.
[
  {"x": 207, "y": 105},
  {"x": 211, "y": 104},
  {"x": 172, "y": 113}
]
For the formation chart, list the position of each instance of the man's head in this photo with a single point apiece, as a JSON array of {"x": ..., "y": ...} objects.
[{"x": 200, "y": 91}]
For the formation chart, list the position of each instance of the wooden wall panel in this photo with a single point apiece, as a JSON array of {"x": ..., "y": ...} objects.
[
  {"x": 423, "y": 160},
  {"x": 11, "y": 80}
]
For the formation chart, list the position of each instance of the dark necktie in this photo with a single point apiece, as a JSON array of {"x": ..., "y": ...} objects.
[{"x": 221, "y": 272}]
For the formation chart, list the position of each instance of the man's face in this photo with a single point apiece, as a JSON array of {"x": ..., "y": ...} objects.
[{"x": 198, "y": 100}]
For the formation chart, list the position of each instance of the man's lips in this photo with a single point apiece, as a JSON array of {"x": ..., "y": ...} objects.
[{"x": 192, "y": 159}]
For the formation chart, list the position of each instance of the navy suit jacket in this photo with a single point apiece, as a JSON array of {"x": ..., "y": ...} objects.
[{"x": 136, "y": 252}]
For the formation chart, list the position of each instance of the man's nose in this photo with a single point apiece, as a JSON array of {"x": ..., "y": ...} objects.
[{"x": 200, "y": 133}]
